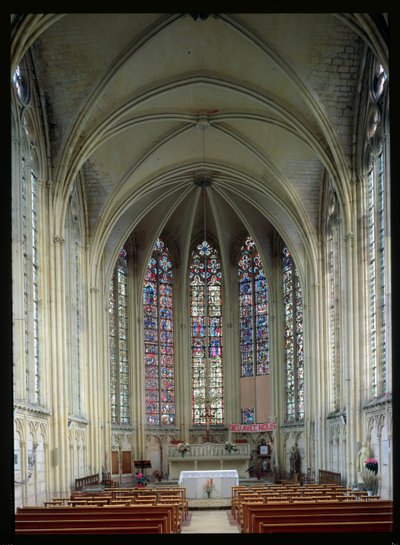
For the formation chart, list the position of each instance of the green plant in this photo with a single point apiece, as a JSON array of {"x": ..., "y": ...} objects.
[
  {"x": 371, "y": 480},
  {"x": 230, "y": 447}
]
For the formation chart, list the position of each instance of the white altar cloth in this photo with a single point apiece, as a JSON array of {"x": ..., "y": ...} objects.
[{"x": 223, "y": 480}]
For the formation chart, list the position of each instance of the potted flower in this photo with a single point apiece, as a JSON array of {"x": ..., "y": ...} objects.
[
  {"x": 140, "y": 480},
  {"x": 182, "y": 448},
  {"x": 230, "y": 447},
  {"x": 157, "y": 474},
  {"x": 372, "y": 464},
  {"x": 208, "y": 487}
]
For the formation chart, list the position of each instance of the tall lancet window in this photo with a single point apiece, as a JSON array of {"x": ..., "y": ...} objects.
[
  {"x": 159, "y": 338},
  {"x": 26, "y": 237},
  {"x": 378, "y": 181},
  {"x": 333, "y": 302},
  {"x": 206, "y": 326},
  {"x": 333, "y": 252},
  {"x": 118, "y": 329},
  {"x": 253, "y": 311},
  {"x": 74, "y": 303},
  {"x": 31, "y": 289},
  {"x": 293, "y": 339}
]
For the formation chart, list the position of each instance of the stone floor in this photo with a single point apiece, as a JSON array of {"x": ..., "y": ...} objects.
[
  {"x": 212, "y": 503},
  {"x": 210, "y": 521}
]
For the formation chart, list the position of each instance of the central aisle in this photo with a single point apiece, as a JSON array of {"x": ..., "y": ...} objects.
[{"x": 215, "y": 521}]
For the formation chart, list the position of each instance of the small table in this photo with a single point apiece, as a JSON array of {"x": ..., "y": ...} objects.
[{"x": 223, "y": 480}]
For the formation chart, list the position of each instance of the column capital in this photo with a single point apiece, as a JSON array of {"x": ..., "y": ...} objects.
[{"x": 58, "y": 240}]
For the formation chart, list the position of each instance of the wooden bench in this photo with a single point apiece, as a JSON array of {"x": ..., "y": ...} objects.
[
  {"x": 170, "y": 511},
  {"x": 327, "y": 527},
  {"x": 250, "y": 511},
  {"x": 325, "y": 476},
  {"x": 258, "y": 520},
  {"x": 92, "y": 522},
  {"x": 85, "y": 481},
  {"x": 133, "y": 529}
]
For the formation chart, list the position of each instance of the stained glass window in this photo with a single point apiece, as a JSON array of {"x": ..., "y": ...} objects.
[
  {"x": 253, "y": 312},
  {"x": 20, "y": 84},
  {"x": 333, "y": 282},
  {"x": 159, "y": 338},
  {"x": 293, "y": 339},
  {"x": 248, "y": 416},
  {"x": 30, "y": 266},
  {"x": 206, "y": 333},
  {"x": 377, "y": 297},
  {"x": 73, "y": 281},
  {"x": 377, "y": 252},
  {"x": 118, "y": 334}
]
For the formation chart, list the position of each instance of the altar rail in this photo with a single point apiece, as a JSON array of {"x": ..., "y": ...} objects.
[
  {"x": 209, "y": 456},
  {"x": 209, "y": 450}
]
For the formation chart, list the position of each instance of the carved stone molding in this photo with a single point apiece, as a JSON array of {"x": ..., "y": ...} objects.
[{"x": 30, "y": 409}]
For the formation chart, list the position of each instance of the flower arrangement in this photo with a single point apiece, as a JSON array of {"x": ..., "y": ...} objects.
[
  {"x": 371, "y": 480},
  {"x": 182, "y": 448},
  {"x": 208, "y": 487},
  {"x": 372, "y": 464},
  {"x": 230, "y": 447},
  {"x": 140, "y": 480}
]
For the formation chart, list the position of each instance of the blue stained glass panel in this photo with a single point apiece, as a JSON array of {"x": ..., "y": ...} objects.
[
  {"x": 253, "y": 311},
  {"x": 159, "y": 335}
]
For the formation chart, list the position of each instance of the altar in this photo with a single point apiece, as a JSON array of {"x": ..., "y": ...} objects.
[
  {"x": 222, "y": 480},
  {"x": 209, "y": 457}
]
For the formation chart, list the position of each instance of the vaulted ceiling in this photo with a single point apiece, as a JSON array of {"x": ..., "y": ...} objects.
[{"x": 145, "y": 107}]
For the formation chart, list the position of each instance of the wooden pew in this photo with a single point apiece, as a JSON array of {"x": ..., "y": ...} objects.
[
  {"x": 325, "y": 476},
  {"x": 299, "y": 508},
  {"x": 85, "y": 481},
  {"x": 327, "y": 527},
  {"x": 258, "y": 520},
  {"x": 134, "y": 529},
  {"x": 108, "y": 511},
  {"x": 93, "y": 523}
]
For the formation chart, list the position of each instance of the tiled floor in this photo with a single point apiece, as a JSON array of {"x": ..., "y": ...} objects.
[{"x": 210, "y": 521}]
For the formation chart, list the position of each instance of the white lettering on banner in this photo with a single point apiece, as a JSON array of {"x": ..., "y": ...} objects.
[{"x": 252, "y": 428}]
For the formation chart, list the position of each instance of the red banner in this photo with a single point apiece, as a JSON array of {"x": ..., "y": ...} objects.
[{"x": 253, "y": 428}]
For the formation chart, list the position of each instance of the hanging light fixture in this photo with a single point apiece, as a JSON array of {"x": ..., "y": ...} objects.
[{"x": 203, "y": 179}]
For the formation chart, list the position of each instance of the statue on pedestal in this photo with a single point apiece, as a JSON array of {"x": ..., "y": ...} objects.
[
  {"x": 295, "y": 462},
  {"x": 362, "y": 455}
]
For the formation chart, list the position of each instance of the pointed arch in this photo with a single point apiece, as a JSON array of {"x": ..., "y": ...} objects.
[
  {"x": 159, "y": 361},
  {"x": 205, "y": 280}
]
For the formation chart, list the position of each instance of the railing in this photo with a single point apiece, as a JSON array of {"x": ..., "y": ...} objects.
[
  {"x": 84, "y": 481},
  {"x": 209, "y": 450},
  {"x": 329, "y": 477}
]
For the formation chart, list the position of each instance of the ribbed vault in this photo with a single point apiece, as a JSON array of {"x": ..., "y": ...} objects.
[{"x": 278, "y": 110}]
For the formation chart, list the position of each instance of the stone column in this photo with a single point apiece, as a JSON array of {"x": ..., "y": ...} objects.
[{"x": 59, "y": 402}]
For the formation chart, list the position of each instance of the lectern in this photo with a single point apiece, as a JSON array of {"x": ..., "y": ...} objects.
[{"x": 142, "y": 464}]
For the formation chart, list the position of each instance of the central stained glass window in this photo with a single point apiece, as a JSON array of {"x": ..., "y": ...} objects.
[
  {"x": 253, "y": 310},
  {"x": 159, "y": 338},
  {"x": 294, "y": 341},
  {"x": 206, "y": 334}
]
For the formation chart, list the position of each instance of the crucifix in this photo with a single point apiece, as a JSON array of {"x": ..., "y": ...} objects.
[{"x": 208, "y": 420}]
